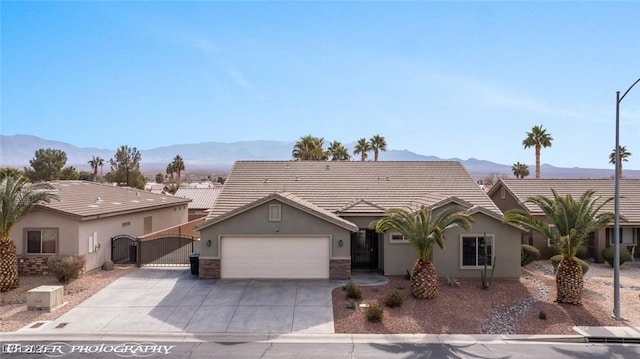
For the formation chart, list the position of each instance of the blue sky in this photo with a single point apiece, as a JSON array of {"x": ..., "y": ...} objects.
[{"x": 450, "y": 79}]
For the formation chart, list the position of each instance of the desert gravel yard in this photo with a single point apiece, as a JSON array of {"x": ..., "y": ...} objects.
[{"x": 508, "y": 307}]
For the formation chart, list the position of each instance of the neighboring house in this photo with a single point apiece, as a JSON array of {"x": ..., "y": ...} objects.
[
  {"x": 202, "y": 199},
  {"x": 86, "y": 217},
  {"x": 310, "y": 219},
  {"x": 512, "y": 193},
  {"x": 157, "y": 188}
]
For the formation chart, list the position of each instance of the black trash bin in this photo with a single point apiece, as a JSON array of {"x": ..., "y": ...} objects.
[{"x": 194, "y": 260}]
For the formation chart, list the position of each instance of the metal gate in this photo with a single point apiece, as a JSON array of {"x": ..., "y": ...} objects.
[
  {"x": 163, "y": 250},
  {"x": 364, "y": 249},
  {"x": 167, "y": 250},
  {"x": 124, "y": 249}
]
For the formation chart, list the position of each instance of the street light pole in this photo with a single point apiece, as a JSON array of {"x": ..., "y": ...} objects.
[{"x": 616, "y": 208}]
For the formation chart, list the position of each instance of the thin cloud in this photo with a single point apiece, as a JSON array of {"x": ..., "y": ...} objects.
[{"x": 239, "y": 78}]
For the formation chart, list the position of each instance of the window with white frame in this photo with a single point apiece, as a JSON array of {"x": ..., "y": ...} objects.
[
  {"x": 275, "y": 213},
  {"x": 628, "y": 236},
  {"x": 42, "y": 241},
  {"x": 472, "y": 250},
  {"x": 554, "y": 230},
  {"x": 395, "y": 237}
]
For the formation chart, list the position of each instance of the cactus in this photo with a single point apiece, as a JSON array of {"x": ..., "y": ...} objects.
[{"x": 486, "y": 280}]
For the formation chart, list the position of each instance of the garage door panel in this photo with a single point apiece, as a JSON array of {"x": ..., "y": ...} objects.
[{"x": 275, "y": 257}]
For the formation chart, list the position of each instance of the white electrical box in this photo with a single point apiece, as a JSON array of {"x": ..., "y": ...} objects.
[{"x": 45, "y": 297}]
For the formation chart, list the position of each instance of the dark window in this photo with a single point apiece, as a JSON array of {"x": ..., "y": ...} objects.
[
  {"x": 42, "y": 241},
  {"x": 473, "y": 250}
]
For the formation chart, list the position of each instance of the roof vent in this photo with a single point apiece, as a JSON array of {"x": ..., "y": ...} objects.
[
  {"x": 266, "y": 180},
  {"x": 98, "y": 200},
  {"x": 138, "y": 194},
  {"x": 297, "y": 178},
  {"x": 327, "y": 167}
]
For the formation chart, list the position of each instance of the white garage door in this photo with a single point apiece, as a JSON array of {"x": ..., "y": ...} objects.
[{"x": 274, "y": 257}]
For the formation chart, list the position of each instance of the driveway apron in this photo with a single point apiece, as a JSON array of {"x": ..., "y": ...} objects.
[{"x": 173, "y": 300}]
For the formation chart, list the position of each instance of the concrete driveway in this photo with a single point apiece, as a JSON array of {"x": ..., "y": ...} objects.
[{"x": 173, "y": 300}]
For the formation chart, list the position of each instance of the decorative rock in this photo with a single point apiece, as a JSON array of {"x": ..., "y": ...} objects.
[{"x": 107, "y": 265}]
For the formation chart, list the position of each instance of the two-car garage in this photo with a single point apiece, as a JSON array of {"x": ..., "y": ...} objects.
[{"x": 274, "y": 256}]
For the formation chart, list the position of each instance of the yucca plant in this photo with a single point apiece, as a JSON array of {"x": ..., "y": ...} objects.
[
  {"x": 17, "y": 198},
  {"x": 423, "y": 229},
  {"x": 573, "y": 221}
]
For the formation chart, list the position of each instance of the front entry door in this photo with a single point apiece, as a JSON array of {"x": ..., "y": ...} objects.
[{"x": 364, "y": 249}]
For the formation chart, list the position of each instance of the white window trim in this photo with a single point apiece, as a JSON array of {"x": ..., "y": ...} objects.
[
  {"x": 489, "y": 236},
  {"x": 392, "y": 234},
  {"x": 634, "y": 234},
  {"x": 550, "y": 226},
  {"x": 275, "y": 213},
  {"x": 503, "y": 193}
]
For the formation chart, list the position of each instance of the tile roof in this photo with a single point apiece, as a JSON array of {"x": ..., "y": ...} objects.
[
  {"x": 292, "y": 200},
  {"x": 202, "y": 198},
  {"x": 351, "y": 185},
  {"x": 522, "y": 189},
  {"x": 87, "y": 199}
]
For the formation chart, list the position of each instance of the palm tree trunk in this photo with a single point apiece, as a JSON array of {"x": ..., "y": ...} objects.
[
  {"x": 537, "y": 161},
  {"x": 569, "y": 281},
  {"x": 424, "y": 280},
  {"x": 8, "y": 265}
]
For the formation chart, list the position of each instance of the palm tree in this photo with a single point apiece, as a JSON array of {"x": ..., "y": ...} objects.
[
  {"x": 95, "y": 162},
  {"x": 572, "y": 222},
  {"x": 520, "y": 170},
  {"x": 362, "y": 147},
  {"x": 178, "y": 167},
  {"x": 378, "y": 143},
  {"x": 422, "y": 229},
  {"x": 338, "y": 152},
  {"x": 538, "y": 138},
  {"x": 17, "y": 198},
  {"x": 170, "y": 171},
  {"x": 309, "y": 148},
  {"x": 624, "y": 157}
]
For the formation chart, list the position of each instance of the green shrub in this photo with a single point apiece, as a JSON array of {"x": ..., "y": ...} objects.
[
  {"x": 607, "y": 254},
  {"x": 542, "y": 315},
  {"x": 66, "y": 267},
  {"x": 555, "y": 260},
  {"x": 582, "y": 252},
  {"x": 353, "y": 291},
  {"x": 528, "y": 254},
  {"x": 374, "y": 312},
  {"x": 453, "y": 281},
  {"x": 394, "y": 299},
  {"x": 351, "y": 304}
]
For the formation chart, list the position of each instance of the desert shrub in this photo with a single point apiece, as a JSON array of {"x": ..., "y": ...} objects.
[
  {"x": 353, "y": 291},
  {"x": 66, "y": 267},
  {"x": 394, "y": 299},
  {"x": 582, "y": 252},
  {"x": 374, "y": 312},
  {"x": 528, "y": 254},
  {"x": 555, "y": 260},
  {"x": 542, "y": 315},
  {"x": 453, "y": 281},
  {"x": 351, "y": 304},
  {"x": 608, "y": 254}
]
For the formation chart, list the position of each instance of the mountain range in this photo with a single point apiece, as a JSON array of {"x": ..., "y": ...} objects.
[{"x": 18, "y": 150}]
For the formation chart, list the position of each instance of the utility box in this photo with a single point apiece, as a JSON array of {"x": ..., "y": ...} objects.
[{"x": 45, "y": 297}]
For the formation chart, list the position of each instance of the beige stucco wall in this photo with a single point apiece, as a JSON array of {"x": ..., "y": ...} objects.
[
  {"x": 74, "y": 235},
  {"x": 256, "y": 222},
  {"x": 401, "y": 256}
]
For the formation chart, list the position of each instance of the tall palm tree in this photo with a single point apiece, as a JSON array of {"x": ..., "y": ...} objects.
[
  {"x": 423, "y": 229},
  {"x": 624, "y": 157},
  {"x": 378, "y": 143},
  {"x": 520, "y": 170},
  {"x": 338, "y": 152},
  {"x": 537, "y": 138},
  {"x": 170, "y": 172},
  {"x": 95, "y": 162},
  {"x": 572, "y": 221},
  {"x": 309, "y": 148},
  {"x": 17, "y": 198},
  {"x": 178, "y": 167},
  {"x": 362, "y": 147}
]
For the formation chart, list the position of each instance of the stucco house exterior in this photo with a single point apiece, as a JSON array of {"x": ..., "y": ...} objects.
[
  {"x": 310, "y": 219},
  {"x": 85, "y": 218},
  {"x": 512, "y": 193}
]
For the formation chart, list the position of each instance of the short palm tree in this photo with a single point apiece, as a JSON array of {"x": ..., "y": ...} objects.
[
  {"x": 338, "y": 152},
  {"x": 423, "y": 229},
  {"x": 178, "y": 167},
  {"x": 95, "y": 162},
  {"x": 378, "y": 143},
  {"x": 520, "y": 170},
  {"x": 537, "y": 138},
  {"x": 309, "y": 148},
  {"x": 624, "y": 157},
  {"x": 573, "y": 221},
  {"x": 362, "y": 147},
  {"x": 17, "y": 198}
]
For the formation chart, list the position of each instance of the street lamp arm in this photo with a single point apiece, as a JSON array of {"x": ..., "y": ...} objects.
[{"x": 629, "y": 89}]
